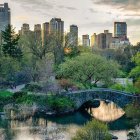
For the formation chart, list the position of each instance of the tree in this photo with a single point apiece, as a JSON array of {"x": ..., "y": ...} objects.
[
  {"x": 135, "y": 135},
  {"x": 135, "y": 73},
  {"x": 10, "y": 43},
  {"x": 87, "y": 69},
  {"x": 93, "y": 130},
  {"x": 57, "y": 47}
]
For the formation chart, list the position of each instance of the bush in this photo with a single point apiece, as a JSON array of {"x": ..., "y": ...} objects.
[
  {"x": 5, "y": 97},
  {"x": 118, "y": 87},
  {"x": 131, "y": 88},
  {"x": 33, "y": 87},
  {"x": 132, "y": 111},
  {"x": 137, "y": 85},
  {"x": 5, "y": 94},
  {"x": 65, "y": 84},
  {"x": 93, "y": 130},
  {"x": 20, "y": 94},
  {"x": 59, "y": 104},
  {"x": 135, "y": 134},
  {"x": 24, "y": 98}
]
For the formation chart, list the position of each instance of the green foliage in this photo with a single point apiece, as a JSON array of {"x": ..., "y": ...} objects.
[
  {"x": 8, "y": 68},
  {"x": 5, "y": 97},
  {"x": 137, "y": 85},
  {"x": 130, "y": 88},
  {"x": 135, "y": 73},
  {"x": 58, "y": 103},
  {"x": 118, "y": 87},
  {"x": 5, "y": 94},
  {"x": 87, "y": 68},
  {"x": 24, "y": 98},
  {"x": 33, "y": 87},
  {"x": 132, "y": 111},
  {"x": 93, "y": 130},
  {"x": 10, "y": 43},
  {"x": 135, "y": 134}
]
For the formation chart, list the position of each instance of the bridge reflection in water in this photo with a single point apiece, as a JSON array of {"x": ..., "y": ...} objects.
[{"x": 106, "y": 112}]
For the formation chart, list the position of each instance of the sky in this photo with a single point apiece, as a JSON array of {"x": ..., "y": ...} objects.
[{"x": 91, "y": 16}]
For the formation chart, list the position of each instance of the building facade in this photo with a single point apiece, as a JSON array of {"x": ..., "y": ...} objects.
[
  {"x": 74, "y": 35},
  {"x": 120, "y": 29},
  {"x": 93, "y": 40},
  {"x": 108, "y": 38},
  {"x": 37, "y": 31},
  {"x": 104, "y": 40},
  {"x": 101, "y": 41},
  {"x": 45, "y": 32},
  {"x": 119, "y": 43},
  {"x": 5, "y": 17},
  {"x": 86, "y": 40},
  {"x": 25, "y": 29},
  {"x": 57, "y": 27}
]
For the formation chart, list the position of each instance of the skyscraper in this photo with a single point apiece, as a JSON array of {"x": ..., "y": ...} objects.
[
  {"x": 104, "y": 40},
  {"x": 5, "y": 17},
  {"x": 101, "y": 41},
  {"x": 108, "y": 38},
  {"x": 37, "y": 31},
  {"x": 120, "y": 29},
  {"x": 74, "y": 35},
  {"x": 45, "y": 32},
  {"x": 86, "y": 40},
  {"x": 57, "y": 26},
  {"x": 25, "y": 29},
  {"x": 94, "y": 40}
]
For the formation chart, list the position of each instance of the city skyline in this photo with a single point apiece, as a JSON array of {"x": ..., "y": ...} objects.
[{"x": 97, "y": 15}]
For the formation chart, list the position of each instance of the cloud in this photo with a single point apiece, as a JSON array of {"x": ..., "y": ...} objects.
[
  {"x": 92, "y": 10},
  {"x": 132, "y": 15},
  {"x": 35, "y": 4},
  {"x": 67, "y": 7},
  {"x": 133, "y": 22},
  {"x": 127, "y": 5},
  {"x": 41, "y": 5}
]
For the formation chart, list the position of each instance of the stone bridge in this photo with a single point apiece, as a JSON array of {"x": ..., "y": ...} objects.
[{"x": 118, "y": 97}]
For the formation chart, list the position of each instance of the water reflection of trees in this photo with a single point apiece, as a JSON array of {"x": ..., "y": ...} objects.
[
  {"x": 36, "y": 128},
  {"x": 106, "y": 112}
]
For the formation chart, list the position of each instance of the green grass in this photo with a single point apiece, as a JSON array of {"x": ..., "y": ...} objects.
[{"x": 5, "y": 94}]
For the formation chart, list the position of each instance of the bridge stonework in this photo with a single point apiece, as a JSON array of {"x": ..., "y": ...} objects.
[{"x": 118, "y": 97}]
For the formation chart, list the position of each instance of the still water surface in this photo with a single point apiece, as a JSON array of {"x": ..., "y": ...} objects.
[{"x": 64, "y": 127}]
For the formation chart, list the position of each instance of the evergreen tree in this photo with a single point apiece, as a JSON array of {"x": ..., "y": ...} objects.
[{"x": 10, "y": 43}]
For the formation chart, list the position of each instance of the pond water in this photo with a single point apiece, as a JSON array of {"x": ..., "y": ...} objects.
[{"x": 64, "y": 127}]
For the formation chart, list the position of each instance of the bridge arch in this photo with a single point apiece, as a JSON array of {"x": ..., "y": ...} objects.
[{"x": 118, "y": 97}]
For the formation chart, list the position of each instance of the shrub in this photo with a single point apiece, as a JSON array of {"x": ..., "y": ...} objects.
[
  {"x": 65, "y": 84},
  {"x": 132, "y": 111},
  {"x": 59, "y": 104},
  {"x": 137, "y": 85},
  {"x": 20, "y": 94},
  {"x": 24, "y": 98},
  {"x": 118, "y": 87},
  {"x": 5, "y": 97},
  {"x": 93, "y": 130},
  {"x": 5, "y": 94},
  {"x": 33, "y": 87},
  {"x": 131, "y": 88},
  {"x": 135, "y": 134}
]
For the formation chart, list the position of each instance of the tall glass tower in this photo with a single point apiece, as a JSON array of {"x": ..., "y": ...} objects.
[
  {"x": 120, "y": 29},
  {"x": 5, "y": 16}
]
